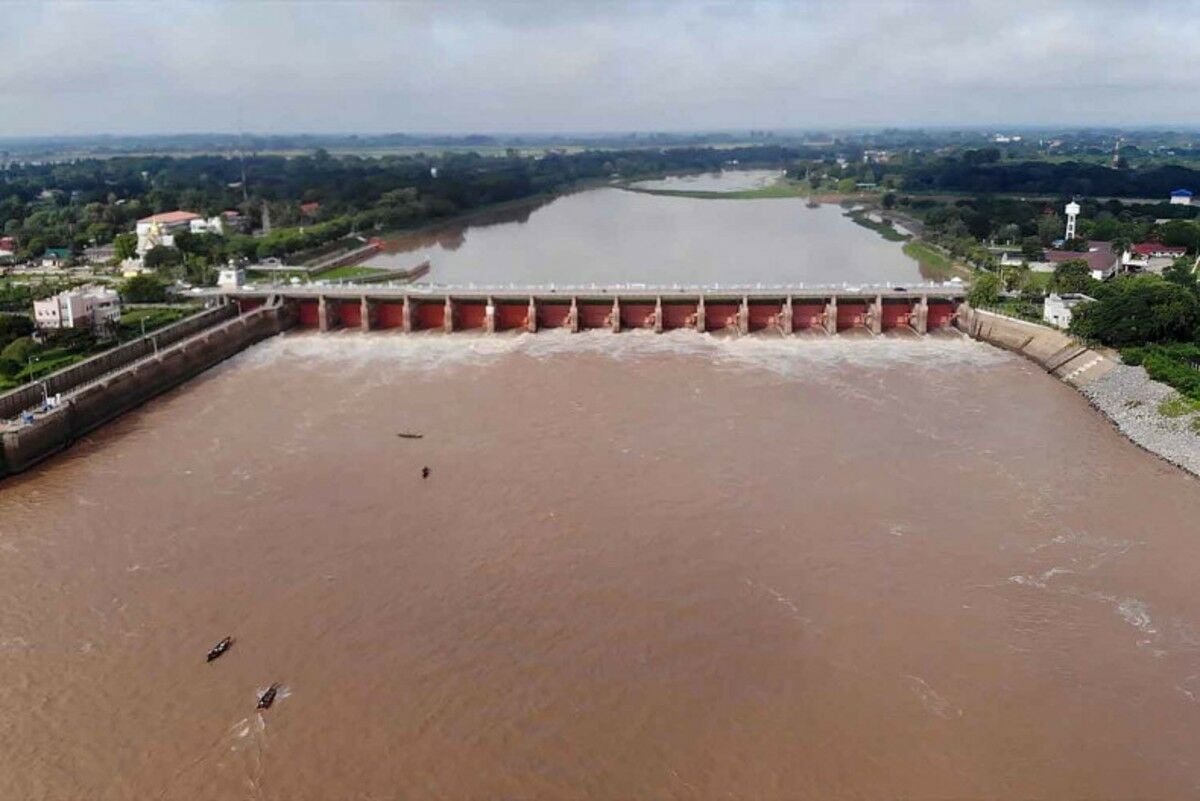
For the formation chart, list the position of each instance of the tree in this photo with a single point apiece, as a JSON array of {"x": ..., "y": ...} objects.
[
  {"x": 1049, "y": 228},
  {"x": 143, "y": 289},
  {"x": 985, "y": 291},
  {"x": 1009, "y": 233},
  {"x": 126, "y": 245},
  {"x": 889, "y": 200},
  {"x": 1183, "y": 272},
  {"x": 1072, "y": 276},
  {"x": 160, "y": 258},
  {"x": 1031, "y": 248},
  {"x": 1136, "y": 310}
]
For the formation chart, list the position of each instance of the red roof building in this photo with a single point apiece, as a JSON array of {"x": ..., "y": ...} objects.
[
  {"x": 170, "y": 217},
  {"x": 1155, "y": 250}
]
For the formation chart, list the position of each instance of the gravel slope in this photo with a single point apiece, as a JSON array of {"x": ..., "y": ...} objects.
[{"x": 1130, "y": 399}]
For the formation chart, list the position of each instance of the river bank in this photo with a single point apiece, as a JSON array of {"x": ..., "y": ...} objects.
[{"x": 1132, "y": 401}]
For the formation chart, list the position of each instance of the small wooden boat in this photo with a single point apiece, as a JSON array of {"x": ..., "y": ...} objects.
[
  {"x": 220, "y": 648},
  {"x": 406, "y": 435},
  {"x": 268, "y": 698}
]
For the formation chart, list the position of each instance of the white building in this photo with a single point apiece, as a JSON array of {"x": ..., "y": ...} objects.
[
  {"x": 85, "y": 307},
  {"x": 160, "y": 229},
  {"x": 1057, "y": 308},
  {"x": 1181, "y": 197},
  {"x": 231, "y": 277}
]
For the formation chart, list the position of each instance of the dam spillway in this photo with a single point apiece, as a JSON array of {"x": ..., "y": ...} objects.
[{"x": 778, "y": 310}]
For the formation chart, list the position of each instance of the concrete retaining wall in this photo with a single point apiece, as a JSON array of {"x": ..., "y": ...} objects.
[
  {"x": 92, "y": 405},
  {"x": 26, "y": 397},
  {"x": 1055, "y": 351}
]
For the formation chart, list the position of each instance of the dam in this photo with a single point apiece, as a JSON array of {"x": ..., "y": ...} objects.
[
  {"x": 782, "y": 310},
  {"x": 46, "y": 416}
]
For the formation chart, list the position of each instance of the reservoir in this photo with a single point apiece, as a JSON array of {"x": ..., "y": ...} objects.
[{"x": 612, "y": 236}]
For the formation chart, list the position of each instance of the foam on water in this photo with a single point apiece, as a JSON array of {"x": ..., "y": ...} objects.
[{"x": 783, "y": 356}]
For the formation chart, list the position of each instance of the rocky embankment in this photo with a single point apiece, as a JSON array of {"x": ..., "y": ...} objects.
[{"x": 1131, "y": 399}]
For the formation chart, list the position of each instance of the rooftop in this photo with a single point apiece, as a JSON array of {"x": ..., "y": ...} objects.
[
  {"x": 1099, "y": 256},
  {"x": 171, "y": 217},
  {"x": 1148, "y": 248}
]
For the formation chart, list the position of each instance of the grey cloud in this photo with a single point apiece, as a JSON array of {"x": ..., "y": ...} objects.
[{"x": 563, "y": 66}]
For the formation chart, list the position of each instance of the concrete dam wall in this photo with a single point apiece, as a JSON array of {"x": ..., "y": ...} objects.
[
  {"x": 24, "y": 443},
  {"x": 780, "y": 311}
]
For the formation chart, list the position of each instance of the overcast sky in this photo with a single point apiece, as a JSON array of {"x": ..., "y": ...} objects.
[{"x": 539, "y": 65}]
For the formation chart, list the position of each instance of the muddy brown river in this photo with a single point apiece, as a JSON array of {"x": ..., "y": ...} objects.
[{"x": 641, "y": 567}]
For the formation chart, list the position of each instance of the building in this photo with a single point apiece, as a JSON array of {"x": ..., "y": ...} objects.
[
  {"x": 1057, "y": 308},
  {"x": 1181, "y": 197},
  {"x": 160, "y": 229},
  {"x": 85, "y": 307},
  {"x": 8, "y": 246},
  {"x": 1100, "y": 258},
  {"x": 54, "y": 258},
  {"x": 231, "y": 277},
  {"x": 1157, "y": 250},
  {"x": 233, "y": 220}
]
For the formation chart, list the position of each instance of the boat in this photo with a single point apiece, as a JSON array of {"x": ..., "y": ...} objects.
[
  {"x": 406, "y": 435},
  {"x": 812, "y": 204},
  {"x": 220, "y": 648},
  {"x": 266, "y": 699}
]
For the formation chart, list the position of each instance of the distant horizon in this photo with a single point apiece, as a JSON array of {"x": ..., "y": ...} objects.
[{"x": 1183, "y": 128}]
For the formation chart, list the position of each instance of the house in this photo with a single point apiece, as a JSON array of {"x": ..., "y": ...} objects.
[
  {"x": 54, "y": 258},
  {"x": 1157, "y": 250},
  {"x": 84, "y": 307},
  {"x": 1181, "y": 197},
  {"x": 1100, "y": 258},
  {"x": 1057, "y": 308},
  {"x": 8, "y": 246},
  {"x": 232, "y": 220},
  {"x": 309, "y": 211},
  {"x": 160, "y": 229}
]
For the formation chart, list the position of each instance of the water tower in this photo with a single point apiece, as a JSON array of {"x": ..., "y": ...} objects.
[{"x": 1072, "y": 213}]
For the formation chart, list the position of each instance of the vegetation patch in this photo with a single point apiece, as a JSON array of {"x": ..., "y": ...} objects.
[
  {"x": 348, "y": 271},
  {"x": 1177, "y": 365},
  {"x": 1178, "y": 406},
  {"x": 781, "y": 188},
  {"x": 884, "y": 229}
]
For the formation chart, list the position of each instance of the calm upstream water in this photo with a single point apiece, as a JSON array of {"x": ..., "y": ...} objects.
[
  {"x": 610, "y": 236},
  {"x": 642, "y": 566}
]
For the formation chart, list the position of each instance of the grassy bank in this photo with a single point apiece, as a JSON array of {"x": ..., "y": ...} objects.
[
  {"x": 884, "y": 229},
  {"x": 346, "y": 271},
  {"x": 934, "y": 264}
]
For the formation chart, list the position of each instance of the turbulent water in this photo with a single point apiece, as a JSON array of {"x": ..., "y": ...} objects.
[
  {"x": 613, "y": 236},
  {"x": 641, "y": 567}
]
